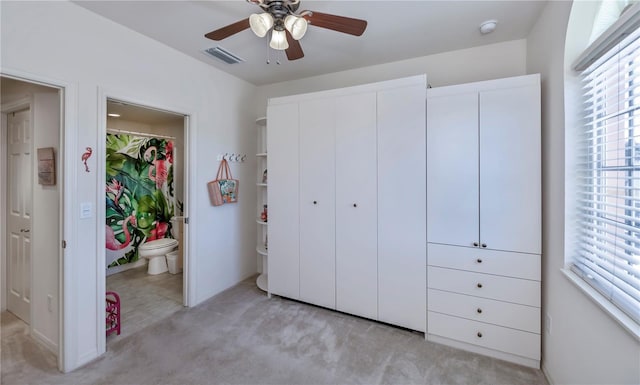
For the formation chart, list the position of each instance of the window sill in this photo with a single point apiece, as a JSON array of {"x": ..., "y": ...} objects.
[{"x": 618, "y": 315}]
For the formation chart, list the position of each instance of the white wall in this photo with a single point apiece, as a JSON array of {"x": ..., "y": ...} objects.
[
  {"x": 584, "y": 345},
  {"x": 59, "y": 40},
  {"x": 491, "y": 61}
]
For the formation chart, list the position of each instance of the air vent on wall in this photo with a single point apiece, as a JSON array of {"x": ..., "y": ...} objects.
[{"x": 224, "y": 55}]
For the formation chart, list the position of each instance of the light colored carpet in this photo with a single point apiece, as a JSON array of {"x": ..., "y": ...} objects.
[{"x": 242, "y": 337}]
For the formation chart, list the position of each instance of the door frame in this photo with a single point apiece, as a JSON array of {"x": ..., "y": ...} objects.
[
  {"x": 189, "y": 139},
  {"x": 68, "y": 126},
  {"x": 5, "y": 110}
]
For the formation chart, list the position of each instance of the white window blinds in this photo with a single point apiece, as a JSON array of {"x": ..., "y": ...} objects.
[{"x": 608, "y": 241}]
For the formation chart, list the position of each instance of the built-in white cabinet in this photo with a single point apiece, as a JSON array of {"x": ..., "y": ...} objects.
[
  {"x": 484, "y": 217},
  {"x": 347, "y": 210}
]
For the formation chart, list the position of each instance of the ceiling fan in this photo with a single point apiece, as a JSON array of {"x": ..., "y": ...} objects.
[{"x": 287, "y": 26}]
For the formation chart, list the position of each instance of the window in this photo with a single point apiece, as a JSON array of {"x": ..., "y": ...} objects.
[{"x": 607, "y": 253}]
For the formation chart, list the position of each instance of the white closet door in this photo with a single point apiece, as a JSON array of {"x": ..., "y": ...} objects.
[
  {"x": 510, "y": 196},
  {"x": 452, "y": 169},
  {"x": 356, "y": 205},
  {"x": 402, "y": 266},
  {"x": 317, "y": 202},
  {"x": 283, "y": 230}
]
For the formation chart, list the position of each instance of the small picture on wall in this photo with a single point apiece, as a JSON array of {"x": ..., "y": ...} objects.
[{"x": 46, "y": 166}]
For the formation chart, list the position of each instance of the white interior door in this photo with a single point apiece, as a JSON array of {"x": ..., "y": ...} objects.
[
  {"x": 317, "y": 202},
  {"x": 510, "y": 169},
  {"x": 356, "y": 205},
  {"x": 19, "y": 214},
  {"x": 452, "y": 169}
]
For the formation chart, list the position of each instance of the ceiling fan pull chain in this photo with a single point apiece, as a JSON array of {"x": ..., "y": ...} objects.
[{"x": 268, "y": 50}]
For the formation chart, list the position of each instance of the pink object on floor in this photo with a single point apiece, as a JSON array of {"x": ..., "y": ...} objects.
[{"x": 113, "y": 312}]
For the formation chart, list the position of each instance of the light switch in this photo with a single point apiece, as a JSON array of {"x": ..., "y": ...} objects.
[{"x": 86, "y": 210}]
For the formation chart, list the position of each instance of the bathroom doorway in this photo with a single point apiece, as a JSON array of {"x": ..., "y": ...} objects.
[{"x": 145, "y": 198}]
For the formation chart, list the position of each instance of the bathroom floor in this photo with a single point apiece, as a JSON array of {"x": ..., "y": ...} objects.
[{"x": 144, "y": 299}]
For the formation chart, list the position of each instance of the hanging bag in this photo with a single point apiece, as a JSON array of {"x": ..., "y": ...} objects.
[{"x": 224, "y": 189}]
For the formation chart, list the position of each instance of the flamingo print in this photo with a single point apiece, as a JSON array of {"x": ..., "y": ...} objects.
[
  {"x": 116, "y": 188},
  {"x": 85, "y": 157},
  {"x": 110, "y": 238},
  {"x": 159, "y": 166}
]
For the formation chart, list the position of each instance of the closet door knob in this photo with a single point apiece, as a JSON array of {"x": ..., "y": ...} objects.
[
  {"x": 479, "y": 260},
  {"x": 484, "y": 245},
  {"x": 479, "y": 334},
  {"x": 479, "y": 311},
  {"x": 479, "y": 285},
  {"x": 355, "y": 205},
  {"x": 475, "y": 244},
  {"x": 315, "y": 202}
]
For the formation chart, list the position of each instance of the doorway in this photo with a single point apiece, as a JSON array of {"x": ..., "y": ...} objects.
[
  {"x": 31, "y": 216},
  {"x": 146, "y": 190}
]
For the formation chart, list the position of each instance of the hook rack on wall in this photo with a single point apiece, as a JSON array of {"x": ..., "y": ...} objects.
[{"x": 232, "y": 157}]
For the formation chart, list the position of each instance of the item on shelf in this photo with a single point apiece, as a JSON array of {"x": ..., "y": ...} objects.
[
  {"x": 264, "y": 176},
  {"x": 224, "y": 189},
  {"x": 263, "y": 215}
]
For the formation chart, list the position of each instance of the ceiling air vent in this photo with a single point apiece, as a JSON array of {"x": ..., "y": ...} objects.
[{"x": 224, "y": 55}]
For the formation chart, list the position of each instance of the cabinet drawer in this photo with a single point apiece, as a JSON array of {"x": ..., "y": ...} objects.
[
  {"x": 514, "y": 290},
  {"x": 500, "y": 313},
  {"x": 504, "y": 263},
  {"x": 506, "y": 340}
]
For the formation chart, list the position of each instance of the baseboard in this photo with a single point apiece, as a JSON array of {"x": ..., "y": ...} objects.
[
  {"x": 45, "y": 341},
  {"x": 128, "y": 266},
  {"x": 546, "y": 374}
]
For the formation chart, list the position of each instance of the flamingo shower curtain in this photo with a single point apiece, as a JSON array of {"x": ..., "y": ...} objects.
[{"x": 139, "y": 194}]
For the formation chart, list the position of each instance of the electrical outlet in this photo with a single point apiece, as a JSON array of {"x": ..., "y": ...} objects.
[
  {"x": 50, "y": 302},
  {"x": 547, "y": 324}
]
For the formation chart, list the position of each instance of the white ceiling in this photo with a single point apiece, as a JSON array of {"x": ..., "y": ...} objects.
[{"x": 397, "y": 30}]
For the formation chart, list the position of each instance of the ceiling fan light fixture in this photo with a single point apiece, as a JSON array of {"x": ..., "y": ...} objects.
[
  {"x": 296, "y": 25},
  {"x": 261, "y": 23},
  {"x": 279, "y": 40}
]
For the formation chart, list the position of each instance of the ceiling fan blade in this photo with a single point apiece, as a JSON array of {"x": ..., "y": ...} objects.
[
  {"x": 294, "y": 52},
  {"x": 337, "y": 23},
  {"x": 229, "y": 30}
]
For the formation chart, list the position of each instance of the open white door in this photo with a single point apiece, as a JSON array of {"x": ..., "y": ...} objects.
[{"x": 19, "y": 160}]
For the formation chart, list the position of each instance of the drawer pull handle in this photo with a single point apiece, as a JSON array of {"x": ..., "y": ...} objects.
[
  {"x": 479, "y": 335},
  {"x": 475, "y": 244},
  {"x": 479, "y": 311},
  {"x": 479, "y": 260},
  {"x": 479, "y": 286},
  {"x": 355, "y": 205},
  {"x": 484, "y": 245},
  {"x": 315, "y": 202}
]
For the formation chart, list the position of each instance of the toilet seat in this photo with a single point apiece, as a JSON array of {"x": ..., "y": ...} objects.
[{"x": 159, "y": 243}]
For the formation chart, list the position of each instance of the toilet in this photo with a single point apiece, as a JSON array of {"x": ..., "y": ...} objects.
[{"x": 155, "y": 251}]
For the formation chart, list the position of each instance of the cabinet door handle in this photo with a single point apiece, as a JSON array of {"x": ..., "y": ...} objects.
[
  {"x": 475, "y": 244},
  {"x": 315, "y": 202},
  {"x": 355, "y": 205},
  {"x": 479, "y": 260},
  {"x": 479, "y": 285},
  {"x": 479, "y": 334},
  {"x": 479, "y": 311},
  {"x": 484, "y": 245}
]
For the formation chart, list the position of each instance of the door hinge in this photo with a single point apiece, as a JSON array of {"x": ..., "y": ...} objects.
[
  {"x": 64, "y": 244},
  {"x": 186, "y": 220}
]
